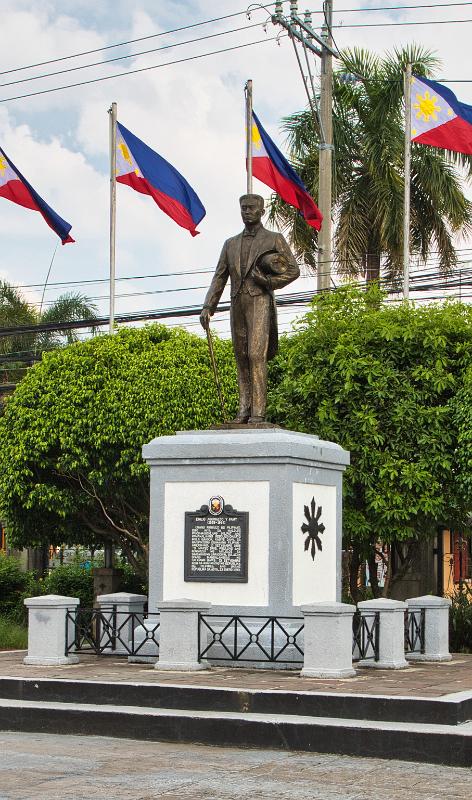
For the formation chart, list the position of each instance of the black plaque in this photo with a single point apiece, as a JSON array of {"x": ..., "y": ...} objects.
[{"x": 216, "y": 547}]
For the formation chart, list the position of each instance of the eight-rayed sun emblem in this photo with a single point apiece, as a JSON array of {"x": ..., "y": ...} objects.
[
  {"x": 313, "y": 528},
  {"x": 426, "y": 107}
]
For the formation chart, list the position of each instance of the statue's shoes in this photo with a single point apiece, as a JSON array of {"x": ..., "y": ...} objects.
[
  {"x": 240, "y": 419},
  {"x": 253, "y": 420}
]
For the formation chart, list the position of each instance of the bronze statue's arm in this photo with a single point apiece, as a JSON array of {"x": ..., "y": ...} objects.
[
  {"x": 218, "y": 282},
  {"x": 292, "y": 272}
]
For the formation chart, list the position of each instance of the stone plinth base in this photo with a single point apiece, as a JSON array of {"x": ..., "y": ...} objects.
[{"x": 290, "y": 487}]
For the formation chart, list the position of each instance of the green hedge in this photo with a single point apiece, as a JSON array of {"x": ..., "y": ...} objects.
[
  {"x": 460, "y": 621},
  {"x": 15, "y": 585}
]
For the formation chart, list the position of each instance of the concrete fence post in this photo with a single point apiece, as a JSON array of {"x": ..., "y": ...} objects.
[
  {"x": 328, "y": 640},
  {"x": 436, "y": 628},
  {"x": 391, "y": 633},
  {"x": 178, "y": 634},
  {"x": 116, "y": 608},
  {"x": 47, "y": 630}
]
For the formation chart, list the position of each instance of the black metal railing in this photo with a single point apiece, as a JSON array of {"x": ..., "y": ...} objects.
[
  {"x": 107, "y": 631},
  {"x": 365, "y": 636},
  {"x": 414, "y": 631},
  {"x": 250, "y": 638}
]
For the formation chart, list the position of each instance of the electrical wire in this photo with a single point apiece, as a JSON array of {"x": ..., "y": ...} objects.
[
  {"x": 141, "y": 69},
  {"x": 214, "y": 20},
  {"x": 399, "y": 24},
  {"x": 132, "y": 55},
  {"x": 127, "y": 42},
  {"x": 198, "y": 271},
  {"x": 191, "y": 58},
  {"x": 296, "y": 298}
]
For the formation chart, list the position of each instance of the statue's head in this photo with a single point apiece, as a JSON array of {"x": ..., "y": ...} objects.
[{"x": 252, "y": 208}]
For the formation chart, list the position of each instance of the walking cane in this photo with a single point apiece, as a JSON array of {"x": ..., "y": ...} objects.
[{"x": 215, "y": 372}]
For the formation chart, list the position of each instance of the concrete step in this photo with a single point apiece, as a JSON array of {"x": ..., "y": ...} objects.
[
  {"x": 451, "y": 709},
  {"x": 410, "y": 741}
]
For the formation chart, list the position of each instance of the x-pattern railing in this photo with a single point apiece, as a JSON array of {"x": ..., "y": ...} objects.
[
  {"x": 365, "y": 636},
  {"x": 414, "y": 631},
  {"x": 250, "y": 638},
  {"x": 106, "y": 631}
]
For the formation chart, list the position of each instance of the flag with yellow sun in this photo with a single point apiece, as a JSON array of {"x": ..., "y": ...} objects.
[{"x": 438, "y": 118}]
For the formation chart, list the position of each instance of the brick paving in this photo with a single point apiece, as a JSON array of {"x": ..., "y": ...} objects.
[{"x": 420, "y": 680}]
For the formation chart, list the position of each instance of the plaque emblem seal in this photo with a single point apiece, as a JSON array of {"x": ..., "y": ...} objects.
[{"x": 216, "y": 505}]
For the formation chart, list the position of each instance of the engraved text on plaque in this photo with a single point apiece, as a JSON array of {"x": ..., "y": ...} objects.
[{"x": 216, "y": 547}]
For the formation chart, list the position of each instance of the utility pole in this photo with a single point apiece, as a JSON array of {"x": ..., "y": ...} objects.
[
  {"x": 326, "y": 153},
  {"x": 301, "y": 30}
]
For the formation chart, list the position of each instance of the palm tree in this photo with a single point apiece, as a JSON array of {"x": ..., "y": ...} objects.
[
  {"x": 19, "y": 351},
  {"x": 368, "y": 180}
]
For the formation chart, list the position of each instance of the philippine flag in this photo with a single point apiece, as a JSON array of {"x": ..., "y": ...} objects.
[
  {"x": 438, "y": 118},
  {"x": 14, "y": 187},
  {"x": 273, "y": 169},
  {"x": 146, "y": 171}
]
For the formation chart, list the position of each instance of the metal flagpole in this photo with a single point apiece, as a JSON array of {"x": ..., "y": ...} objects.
[
  {"x": 406, "y": 199},
  {"x": 248, "y": 91},
  {"x": 112, "y": 112}
]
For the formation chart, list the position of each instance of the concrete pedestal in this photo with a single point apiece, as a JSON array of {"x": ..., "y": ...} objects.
[
  {"x": 278, "y": 477},
  {"x": 47, "y": 630},
  {"x": 328, "y": 640},
  {"x": 178, "y": 644},
  {"x": 391, "y": 634},
  {"x": 117, "y": 608},
  {"x": 436, "y": 628}
]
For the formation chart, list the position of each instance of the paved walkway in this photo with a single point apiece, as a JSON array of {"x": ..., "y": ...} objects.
[
  {"x": 52, "y": 767},
  {"x": 420, "y": 680}
]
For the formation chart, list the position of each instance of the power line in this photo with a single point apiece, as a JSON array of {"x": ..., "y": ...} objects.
[
  {"x": 141, "y": 294},
  {"x": 140, "y": 69},
  {"x": 123, "y": 44},
  {"x": 296, "y": 298},
  {"x": 198, "y": 271},
  {"x": 132, "y": 55},
  {"x": 125, "y": 278},
  {"x": 396, "y": 8},
  {"x": 196, "y": 57},
  {"x": 396, "y": 24},
  {"x": 213, "y": 21}
]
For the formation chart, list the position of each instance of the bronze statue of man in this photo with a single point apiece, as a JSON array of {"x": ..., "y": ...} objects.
[{"x": 257, "y": 261}]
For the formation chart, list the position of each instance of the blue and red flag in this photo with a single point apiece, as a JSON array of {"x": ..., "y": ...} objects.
[
  {"x": 14, "y": 187},
  {"x": 273, "y": 169},
  {"x": 438, "y": 118},
  {"x": 146, "y": 171}
]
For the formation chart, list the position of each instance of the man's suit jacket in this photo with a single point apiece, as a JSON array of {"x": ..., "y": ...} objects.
[{"x": 229, "y": 266}]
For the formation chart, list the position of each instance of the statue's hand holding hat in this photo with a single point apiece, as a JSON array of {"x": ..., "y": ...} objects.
[{"x": 272, "y": 263}]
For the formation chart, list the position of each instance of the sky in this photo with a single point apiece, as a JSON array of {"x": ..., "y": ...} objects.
[{"x": 191, "y": 112}]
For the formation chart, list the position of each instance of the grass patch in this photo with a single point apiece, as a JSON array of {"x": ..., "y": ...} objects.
[{"x": 12, "y": 635}]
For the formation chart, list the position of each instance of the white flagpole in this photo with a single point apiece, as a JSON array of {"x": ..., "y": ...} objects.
[
  {"x": 113, "y": 114},
  {"x": 248, "y": 89},
  {"x": 406, "y": 200}
]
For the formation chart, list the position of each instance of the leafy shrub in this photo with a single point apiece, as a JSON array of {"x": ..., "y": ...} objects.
[
  {"x": 460, "y": 621},
  {"x": 72, "y": 432},
  {"x": 15, "y": 585},
  {"x": 71, "y": 580},
  {"x": 130, "y": 581},
  {"x": 12, "y": 635}
]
